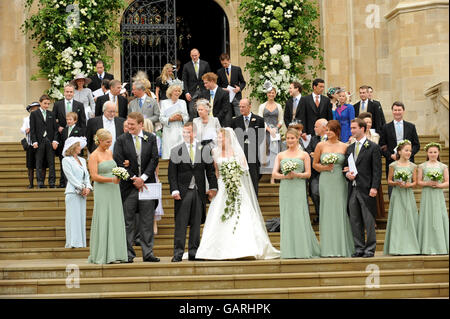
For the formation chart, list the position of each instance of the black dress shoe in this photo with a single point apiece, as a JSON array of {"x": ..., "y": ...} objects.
[
  {"x": 176, "y": 259},
  {"x": 42, "y": 186},
  {"x": 355, "y": 255},
  {"x": 52, "y": 186},
  {"x": 316, "y": 220},
  {"x": 61, "y": 186},
  {"x": 152, "y": 259},
  {"x": 368, "y": 255},
  {"x": 30, "y": 186}
]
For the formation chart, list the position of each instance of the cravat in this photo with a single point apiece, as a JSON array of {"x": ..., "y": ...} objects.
[
  {"x": 211, "y": 101},
  {"x": 138, "y": 144},
  {"x": 399, "y": 131},
  {"x": 362, "y": 106},
  {"x": 191, "y": 153},
  {"x": 358, "y": 145},
  {"x": 317, "y": 101},
  {"x": 68, "y": 107},
  {"x": 140, "y": 103}
]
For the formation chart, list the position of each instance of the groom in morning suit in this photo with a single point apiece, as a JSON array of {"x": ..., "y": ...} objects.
[
  {"x": 248, "y": 128},
  {"x": 189, "y": 161},
  {"x": 362, "y": 189},
  {"x": 313, "y": 107},
  {"x": 140, "y": 149}
]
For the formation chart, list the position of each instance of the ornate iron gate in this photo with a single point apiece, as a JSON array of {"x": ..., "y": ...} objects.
[{"x": 150, "y": 41}]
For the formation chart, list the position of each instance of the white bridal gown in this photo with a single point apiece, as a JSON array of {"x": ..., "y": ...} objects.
[{"x": 250, "y": 238}]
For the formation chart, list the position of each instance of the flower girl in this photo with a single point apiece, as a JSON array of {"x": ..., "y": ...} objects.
[
  {"x": 401, "y": 231},
  {"x": 433, "y": 219}
]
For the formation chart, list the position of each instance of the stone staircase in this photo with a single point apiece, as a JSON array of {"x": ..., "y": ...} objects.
[{"x": 35, "y": 264}]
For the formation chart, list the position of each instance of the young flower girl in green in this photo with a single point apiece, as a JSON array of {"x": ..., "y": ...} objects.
[
  {"x": 401, "y": 231},
  {"x": 433, "y": 219}
]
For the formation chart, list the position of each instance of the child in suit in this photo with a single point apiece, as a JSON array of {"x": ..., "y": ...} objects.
[{"x": 72, "y": 129}]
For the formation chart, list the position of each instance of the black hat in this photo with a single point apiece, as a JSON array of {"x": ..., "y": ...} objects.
[{"x": 32, "y": 105}]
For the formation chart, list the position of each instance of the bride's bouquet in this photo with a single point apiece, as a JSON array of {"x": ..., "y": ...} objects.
[
  {"x": 288, "y": 166},
  {"x": 121, "y": 173},
  {"x": 435, "y": 175},
  {"x": 231, "y": 173},
  {"x": 402, "y": 176}
]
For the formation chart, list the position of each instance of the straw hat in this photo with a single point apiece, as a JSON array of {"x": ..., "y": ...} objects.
[{"x": 80, "y": 76}]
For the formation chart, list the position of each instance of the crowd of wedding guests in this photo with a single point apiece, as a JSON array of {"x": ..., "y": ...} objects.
[{"x": 335, "y": 146}]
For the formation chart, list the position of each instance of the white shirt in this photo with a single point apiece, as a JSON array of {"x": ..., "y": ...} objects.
[
  {"x": 102, "y": 75},
  {"x": 112, "y": 97},
  {"x": 365, "y": 106},
  {"x": 361, "y": 143},
  {"x": 111, "y": 128}
]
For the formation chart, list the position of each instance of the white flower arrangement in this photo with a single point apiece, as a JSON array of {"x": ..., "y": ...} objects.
[
  {"x": 402, "y": 176},
  {"x": 288, "y": 166},
  {"x": 121, "y": 173},
  {"x": 435, "y": 175},
  {"x": 330, "y": 158},
  {"x": 231, "y": 173}
]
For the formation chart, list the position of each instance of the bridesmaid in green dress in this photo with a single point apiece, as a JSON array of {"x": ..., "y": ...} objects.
[
  {"x": 401, "y": 230},
  {"x": 433, "y": 219},
  {"x": 297, "y": 237},
  {"x": 336, "y": 238},
  {"x": 108, "y": 242}
]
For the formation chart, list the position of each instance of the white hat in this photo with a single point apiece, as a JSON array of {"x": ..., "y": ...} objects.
[
  {"x": 123, "y": 90},
  {"x": 72, "y": 140}
]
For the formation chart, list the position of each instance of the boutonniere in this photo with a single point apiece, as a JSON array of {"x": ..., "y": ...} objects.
[
  {"x": 366, "y": 144},
  {"x": 75, "y": 132},
  {"x": 145, "y": 138},
  {"x": 253, "y": 120},
  {"x": 199, "y": 147}
]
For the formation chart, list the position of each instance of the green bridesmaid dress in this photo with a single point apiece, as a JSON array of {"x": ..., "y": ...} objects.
[
  {"x": 108, "y": 238},
  {"x": 401, "y": 230},
  {"x": 336, "y": 238},
  {"x": 433, "y": 218},
  {"x": 297, "y": 237}
]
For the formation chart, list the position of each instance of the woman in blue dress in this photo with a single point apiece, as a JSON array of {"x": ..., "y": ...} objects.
[
  {"x": 344, "y": 113},
  {"x": 77, "y": 189}
]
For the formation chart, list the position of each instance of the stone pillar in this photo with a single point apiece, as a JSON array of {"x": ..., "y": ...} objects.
[{"x": 418, "y": 48}]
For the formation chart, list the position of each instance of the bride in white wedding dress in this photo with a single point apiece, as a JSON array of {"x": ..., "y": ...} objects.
[{"x": 220, "y": 239}]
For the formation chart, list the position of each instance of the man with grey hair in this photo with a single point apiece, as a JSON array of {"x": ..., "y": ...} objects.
[
  {"x": 143, "y": 103},
  {"x": 320, "y": 128},
  {"x": 120, "y": 102},
  {"x": 107, "y": 121}
]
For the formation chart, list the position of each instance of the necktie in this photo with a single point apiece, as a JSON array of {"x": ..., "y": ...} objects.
[
  {"x": 294, "y": 108},
  {"x": 399, "y": 131},
  {"x": 44, "y": 113},
  {"x": 196, "y": 68},
  {"x": 211, "y": 101},
  {"x": 138, "y": 144},
  {"x": 191, "y": 153},
  {"x": 358, "y": 145},
  {"x": 246, "y": 122},
  {"x": 317, "y": 101},
  {"x": 116, "y": 101},
  {"x": 68, "y": 107},
  {"x": 70, "y": 130},
  {"x": 362, "y": 106},
  {"x": 100, "y": 77},
  {"x": 140, "y": 103},
  {"x": 228, "y": 71}
]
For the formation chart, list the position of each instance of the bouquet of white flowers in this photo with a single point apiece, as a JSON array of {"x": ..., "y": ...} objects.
[
  {"x": 231, "y": 173},
  {"x": 402, "y": 176},
  {"x": 121, "y": 173},
  {"x": 435, "y": 175},
  {"x": 288, "y": 166},
  {"x": 330, "y": 158}
]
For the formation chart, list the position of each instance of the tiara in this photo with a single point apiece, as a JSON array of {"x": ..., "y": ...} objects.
[
  {"x": 432, "y": 144},
  {"x": 176, "y": 82}
]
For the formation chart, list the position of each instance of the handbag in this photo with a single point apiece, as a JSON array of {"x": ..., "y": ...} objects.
[{"x": 24, "y": 143}]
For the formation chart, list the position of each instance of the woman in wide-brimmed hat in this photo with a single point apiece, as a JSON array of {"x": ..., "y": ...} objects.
[
  {"x": 77, "y": 189},
  {"x": 83, "y": 94}
]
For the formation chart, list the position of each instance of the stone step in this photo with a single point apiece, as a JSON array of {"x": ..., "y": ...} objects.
[
  {"x": 166, "y": 237},
  {"x": 428, "y": 290},
  {"x": 225, "y": 282},
  {"x": 56, "y": 268}
]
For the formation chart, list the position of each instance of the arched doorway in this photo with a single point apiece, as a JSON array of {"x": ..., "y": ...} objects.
[
  {"x": 154, "y": 37},
  {"x": 202, "y": 24}
]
